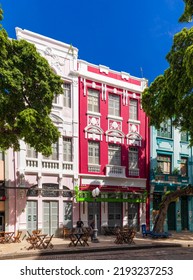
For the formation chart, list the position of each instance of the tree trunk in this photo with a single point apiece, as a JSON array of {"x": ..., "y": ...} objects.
[{"x": 172, "y": 196}]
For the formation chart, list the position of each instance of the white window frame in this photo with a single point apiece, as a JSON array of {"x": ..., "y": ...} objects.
[
  {"x": 133, "y": 158},
  {"x": 67, "y": 149},
  {"x": 56, "y": 99},
  {"x": 165, "y": 129},
  {"x": 31, "y": 152},
  {"x": 133, "y": 109},
  {"x": 93, "y": 152},
  {"x": 93, "y": 100},
  {"x": 55, "y": 152},
  {"x": 114, "y": 105},
  {"x": 114, "y": 154},
  {"x": 67, "y": 95}
]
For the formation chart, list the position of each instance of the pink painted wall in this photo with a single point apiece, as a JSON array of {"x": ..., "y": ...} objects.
[
  {"x": 144, "y": 130},
  {"x": 114, "y": 76}
]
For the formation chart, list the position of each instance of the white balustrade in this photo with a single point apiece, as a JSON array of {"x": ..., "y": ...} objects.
[
  {"x": 133, "y": 172},
  {"x": 94, "y": 168},
  {"x": 32, "y": 163},
  {"x": 50, "y": 164},
  {"x": 67, "y": 166},
  {"x": 115, "y": 171}
]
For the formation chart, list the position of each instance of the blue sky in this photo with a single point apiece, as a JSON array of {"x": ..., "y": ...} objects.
[{"x": 125, "y": 35}]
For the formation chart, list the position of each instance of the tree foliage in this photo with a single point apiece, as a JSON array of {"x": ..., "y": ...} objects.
[
  {"x": 171, "y": 94},
  {"x": 27, "y": 88},
  {"x": 188, "y": 11}
]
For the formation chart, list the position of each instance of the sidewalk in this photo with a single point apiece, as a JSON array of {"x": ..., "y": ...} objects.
[{"x": 17, "y": 250}]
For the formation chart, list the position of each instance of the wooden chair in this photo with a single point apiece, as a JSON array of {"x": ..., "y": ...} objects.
[
  {"x": 119, "y": 238},
  {"x": 36, "y": 231},
  {"x": 47, "y": 242},
  {"x": 107, "y": 230},
  {"x": 85, "y": 238},
  {"x": 29, "y": 236},
  {"x": 72, "y": 239},
  {"x": 2, "y": 238},
  {"x": 33, "y": 241},
  {"x": 131, "y": 236},
  {"x": 66, "y": 232},
  {"x": 16, "y": 239}
]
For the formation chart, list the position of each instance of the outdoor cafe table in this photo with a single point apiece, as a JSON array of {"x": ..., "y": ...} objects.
[
  {"x": 36, "y": 241},
  {"x": 78, "y": 239},
  {"x": 40, "y": 240},
  {"x": 125, "y": 236},
  {"x": 6, "y": 237}
]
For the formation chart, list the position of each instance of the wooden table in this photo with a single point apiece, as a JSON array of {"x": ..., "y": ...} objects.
[
  {"x": 6, "y": 236},
  {"x": 125, "y": 236},
  {"x": 36, "y": 241},
  {"x": 78, "y": 239},
  {"x": 40, "y": 240},
  {"x": 32, "y": 241}
]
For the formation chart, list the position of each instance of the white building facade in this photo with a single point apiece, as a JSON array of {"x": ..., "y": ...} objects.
[{"x": 39, "y": 189}]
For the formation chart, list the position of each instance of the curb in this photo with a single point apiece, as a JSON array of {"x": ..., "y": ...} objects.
[{"x": 87, "y": 250}]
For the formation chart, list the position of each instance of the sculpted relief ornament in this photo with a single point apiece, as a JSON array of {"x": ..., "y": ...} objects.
[
  {"x": 93, "y": 121},
  {"x": 115, "y": 125},
  {"x": 53, "y": 59}
]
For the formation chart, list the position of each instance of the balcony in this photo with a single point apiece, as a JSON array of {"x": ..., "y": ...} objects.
[
  {"x": 169, "y": 179},
  {"x": 31, "y": 163},
  {"x": 134, "y": 172},
  {"x": 94, "y": 168},
  {"x": 49, "y": 166},
  {"x": 115, "y": 171}
]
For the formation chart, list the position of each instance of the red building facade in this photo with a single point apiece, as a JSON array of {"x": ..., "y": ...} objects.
[{"x": 113, "y": 146}]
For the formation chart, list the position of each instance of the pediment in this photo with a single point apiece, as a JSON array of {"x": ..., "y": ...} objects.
[
  {"x": 56, "y": 119},
  {"x": 115, "y": 136},
  {"x": 134, "y": 139}
]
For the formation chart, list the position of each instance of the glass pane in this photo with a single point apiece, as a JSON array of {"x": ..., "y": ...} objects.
[{"x": 93, "y": 100}]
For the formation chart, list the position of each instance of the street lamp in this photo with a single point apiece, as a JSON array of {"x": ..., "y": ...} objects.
[{"x": 95, "y": 193}]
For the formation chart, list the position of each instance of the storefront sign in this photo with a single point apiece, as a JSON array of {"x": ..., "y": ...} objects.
[{"x": 86, "y": 196}]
